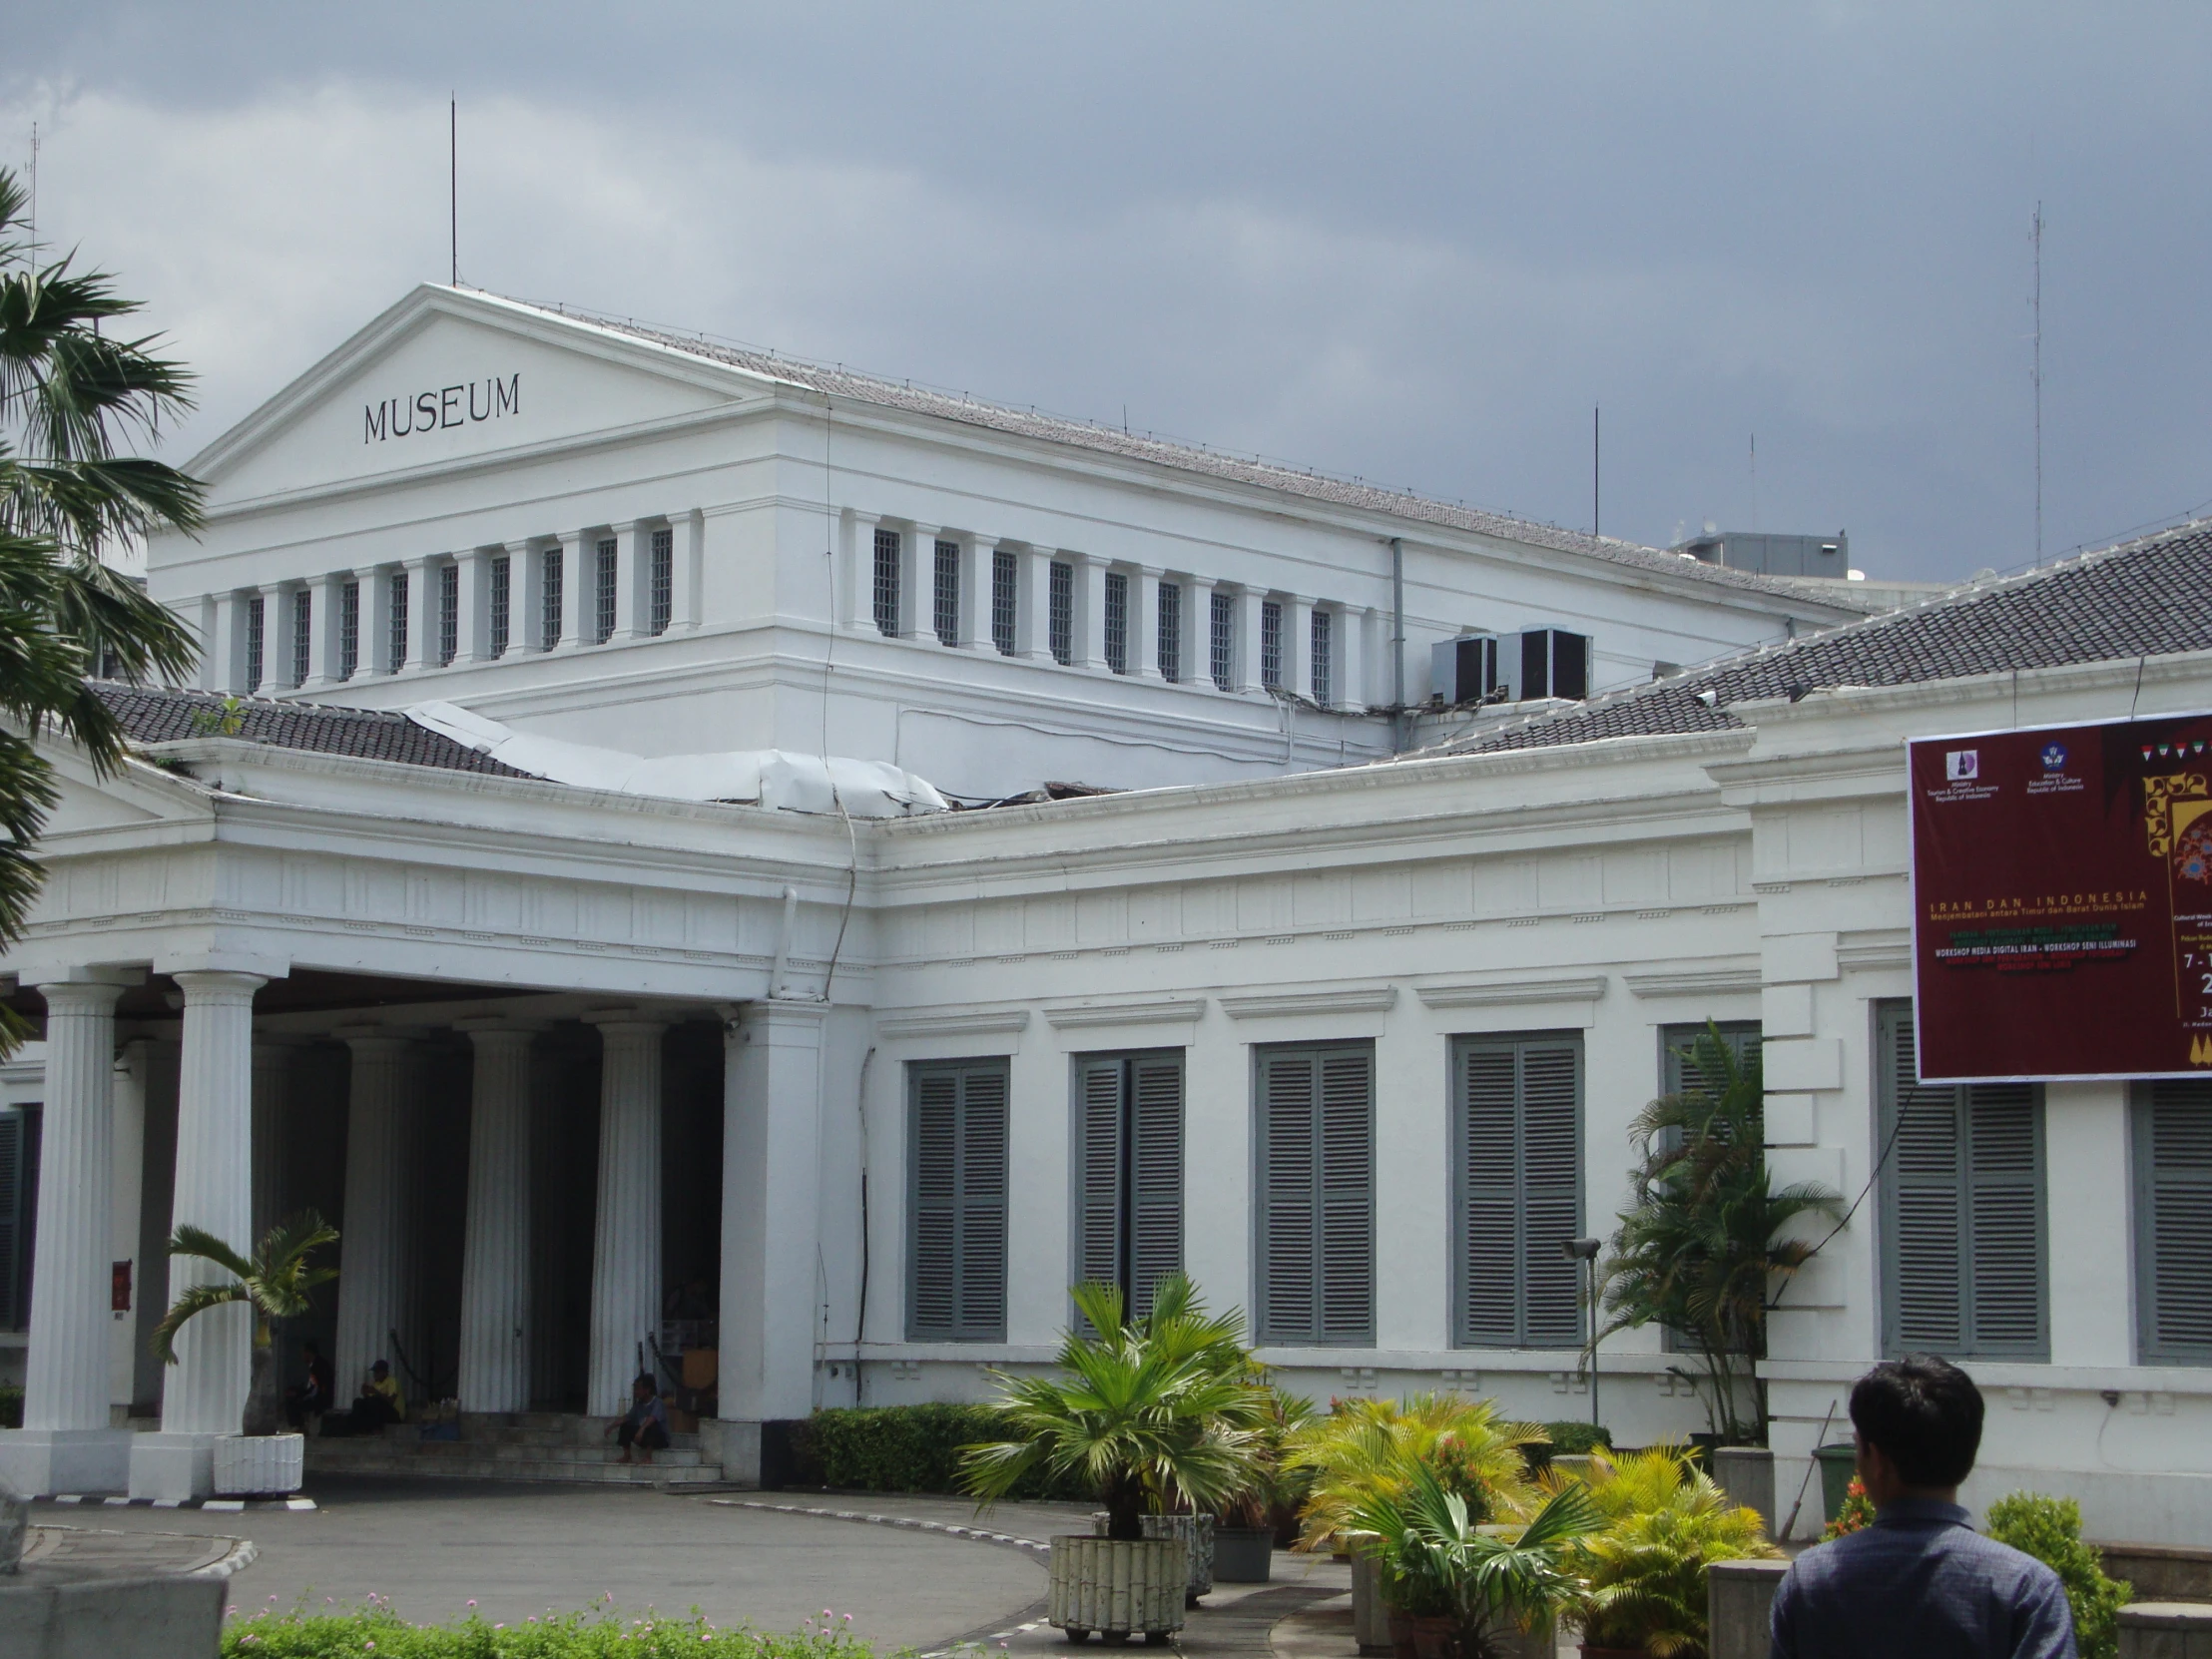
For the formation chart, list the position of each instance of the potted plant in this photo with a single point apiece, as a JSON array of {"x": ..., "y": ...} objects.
[
  {"x": 1663, "y": 1522},
  {"x": 1465, "y": 1590},
  {"x": 1246, "y": 1529},
  {"x": 1368, "y": 1447},
  {"x": 1156, "y": 1416},
  {"x": 276, "y": 1284}
]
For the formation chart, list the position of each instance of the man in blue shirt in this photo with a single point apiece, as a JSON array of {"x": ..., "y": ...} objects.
[{"x": 1919, "y": 1583}]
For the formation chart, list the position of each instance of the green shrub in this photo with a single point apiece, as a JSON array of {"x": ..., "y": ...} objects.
[
  {"x": 11, "y": 1407},
  {"x": 2049, "y": 1528},
  {"x": 906, "y": 1449},
  {"x": 377, "y": 1630},
  {"x": 1574, "y": 1438}
]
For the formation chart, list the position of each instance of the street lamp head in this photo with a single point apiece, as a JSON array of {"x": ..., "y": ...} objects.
[{"x": 1579, "y": 1249}]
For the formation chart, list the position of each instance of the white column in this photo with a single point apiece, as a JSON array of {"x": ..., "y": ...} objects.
[
  {"x": 127, "y": 1199},
  {"x": 1197, "y": 631},
  {"x": 423, "y": 612},
  {"x": 579, "y": 552},
  {"x": 1349, "y": 637},
  {"x": 975, "y": 592},
  {"x": 917, "y": 585},
  {"x": 473, "y": 637},
  {"x": 1298, "y": 644},
  {"x": 1091, "y": 612},
  {"x": 1245, "y": 673},
  {"x": 326, "y": 597},
  {"x": 626, "y": 1243},
  {"x": 687, "y": 574},
  {"x": 495, "y": 1251},
  {"x": 66, "y": 1376},
  {"x": 373, "y": 1253},
  {"x": 771, "y": 1096},
  {"x": 1033, "y": 595},
  {"x": 1144, "y": 625},
  {"x": 214, "y": 1149},
  {"x": 857, "y": 556},
  {"x": 271, "y": 1078},
  {"x": 632, "y": 541}
]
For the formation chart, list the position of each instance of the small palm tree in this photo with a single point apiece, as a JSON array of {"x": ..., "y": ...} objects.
[
  {"x": 1156, "y": 1414},
  {"x": 1440, "y": 1561},
  {"x": 276, "y": 1284},
  {"x": 1664, "y": 1522},
  {"x": 1370, "y": 1448}
]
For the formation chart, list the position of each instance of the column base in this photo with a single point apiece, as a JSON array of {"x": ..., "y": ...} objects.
[
  {"x": 753, "y": 1453},
  {"x": 41, "y": 1462},
  {"x": 173, "y": 1466}
]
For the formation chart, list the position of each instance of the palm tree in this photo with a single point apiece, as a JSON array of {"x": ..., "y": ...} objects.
[
  {"x": 1365, "y": 1449},
  {"x": 276, "y": 1284},
  {"x": 1703, "y": 1248},
  {"x": 1156, "y": 1414},
  {"x": 72, "y": 396}
]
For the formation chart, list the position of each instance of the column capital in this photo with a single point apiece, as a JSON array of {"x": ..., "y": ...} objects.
[
  {"x": 625, "y": 1021},
  {"x": 499, "y": 1025},
  {"x": 51, "y": 982},
  {"x": 372, "y": 1039},
  {"x": 217, "y": 985}
]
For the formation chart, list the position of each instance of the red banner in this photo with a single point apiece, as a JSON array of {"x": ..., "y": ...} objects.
[{"x": 2063, "y": 901}]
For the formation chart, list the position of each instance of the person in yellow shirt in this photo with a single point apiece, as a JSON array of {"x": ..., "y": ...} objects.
[{"x": 380, "y": 1401}]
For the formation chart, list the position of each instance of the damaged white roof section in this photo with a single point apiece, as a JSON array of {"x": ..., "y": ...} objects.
[{"x": 755, "y": 777}]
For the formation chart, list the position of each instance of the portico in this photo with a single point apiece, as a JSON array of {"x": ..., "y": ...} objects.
[{"x": 526, "y": 1062}]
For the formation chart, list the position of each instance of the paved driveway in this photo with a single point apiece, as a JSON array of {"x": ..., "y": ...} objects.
[{"x": 518, "y": 1549}]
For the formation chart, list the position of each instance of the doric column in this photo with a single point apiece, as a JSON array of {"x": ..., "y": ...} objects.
[
  {"x": 977, "y": 562},
  {"x": 495, "y": 1253},
  {"x": 66, "y": 1377},
  {"x": 126, "y": 1200},
  {"x": 271, "y": 1078},
  {"x": 1033, "y": 597},
  {"x": 1144, "y": 625},
  {"x": 373, "y": 1245},
  {"x": 626, "y": 1243},
  {"x": 771, "y": 1068},
  {"x": 1246, "y": 671},
  {"x": 215, "y": 1148},
  {"x": 1091, "y": 612}
]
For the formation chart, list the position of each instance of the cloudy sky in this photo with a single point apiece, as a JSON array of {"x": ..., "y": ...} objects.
[{"x": 1415, "y": 243}]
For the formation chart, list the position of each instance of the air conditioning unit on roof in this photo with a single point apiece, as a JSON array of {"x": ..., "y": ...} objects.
[{"x": 1464, "y": 670}]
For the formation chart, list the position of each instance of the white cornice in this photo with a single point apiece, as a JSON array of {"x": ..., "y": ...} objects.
[
  {"x": 1082, "y": 1015},
  {"x": 1499, "y": 990},
  {"x": 1874, "y": 950},
  {"x": 1710, "y": 978},
  {"x": 1359, "y": 999},
  {"x": 952, "y": 1022}
]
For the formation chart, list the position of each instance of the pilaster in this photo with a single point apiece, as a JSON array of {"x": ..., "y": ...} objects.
[
  {"x": 1197, "y": 631},
  {"x": 327, "y": 597},
  {"x": 918, "y": 560},
  {"x": 1245, "y": 671},
  {"x": 1091, "y": 612},
  {"x": 1144, "y": 625},
  {"x": 1033, "y": 602},
  {"x": 472, "y": 639},
  {"x": 626, "y": 1247},
  {"x": 632, "y": 542},
  {"x": 976, "y": 559},
  {"x": 578, "y": 550},
  {"x": 1298, "y": 644},
  {"x": 686, "y": 572}
]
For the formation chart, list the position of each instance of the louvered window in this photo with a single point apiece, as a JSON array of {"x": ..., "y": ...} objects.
[
  {"x": 303, "y": 633},
  {"x": 257, "y": 619},
  {"x": 956, "y": 1199},
  {"x": 663, "y": 587},
  {"x": 349, "y": 630},
  {"x": 1171, "y": 630},
  {"x": 2173, "y": 1219},
  {"x": 398, "y": 622},
  {"x": 1962, "y": 1210},
  {"x": 1322, "y": 676},
  {"x": 886, "y": 583},
  {"x": 1117, "y": 622},
  {"x": 1270, "y": 644},
  {"x": 1316, "y": 1197},
  {"x": 1005, "y": 574},
  {"x": 1060, "y": 612},
  {"x": 1678, "y": 1043},
  {"x": 550, "y": 577},
  {"x": 945, "y": 594},
  {"x": 501, "y": 609},
  {"x": 1220, "y": 639},
  {"x": 450, "y": 614},
  {"x": 1516, "y": 1151},
  {"x": 609, "y": 574},
  {"x": 1129, "y": 1171},
  {"x": 18, "y": 1204}
]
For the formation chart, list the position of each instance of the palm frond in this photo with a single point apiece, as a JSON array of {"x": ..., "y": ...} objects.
[{"x": 198, "y": 1299}]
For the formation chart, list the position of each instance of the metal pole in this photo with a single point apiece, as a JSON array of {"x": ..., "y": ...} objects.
[
  {"x": 1590, "y": 1271},
  {"x": 1398, "y": 645}
]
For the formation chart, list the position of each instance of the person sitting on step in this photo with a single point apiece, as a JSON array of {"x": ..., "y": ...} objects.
[{"x": 644, "y": 1425}]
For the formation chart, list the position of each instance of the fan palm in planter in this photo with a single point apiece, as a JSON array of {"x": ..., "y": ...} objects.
[
  {"x": 1664, "y": 1522},
  {"x": 1155, "y": 1415},
  {"x": 276, "y": 1283},
  {"x": 1466, "y": 1588},
  {"x": 1368, "y": 1448}
]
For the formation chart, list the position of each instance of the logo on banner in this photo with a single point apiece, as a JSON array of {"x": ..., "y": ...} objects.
[
  {"x": 2054, "y": 757},
  {"x": 1963, "y": 765}
]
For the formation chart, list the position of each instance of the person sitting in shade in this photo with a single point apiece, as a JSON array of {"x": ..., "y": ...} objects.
[
  {"x": 311, "y": 1397},
  {"x": 644, "y": 1425}
]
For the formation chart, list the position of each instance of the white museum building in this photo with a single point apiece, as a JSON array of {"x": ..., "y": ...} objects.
[{"x": 553, "y": 881}]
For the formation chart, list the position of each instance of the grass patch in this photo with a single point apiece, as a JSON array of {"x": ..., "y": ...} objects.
[{"x": 376, "y": 1630}]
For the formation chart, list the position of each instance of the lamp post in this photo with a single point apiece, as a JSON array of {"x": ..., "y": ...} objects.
[{"x": 1585, "y": 1251}]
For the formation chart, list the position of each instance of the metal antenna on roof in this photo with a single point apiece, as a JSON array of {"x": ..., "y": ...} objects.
[
  {"x": 454, "y": 184},
  {"x": 1755, "y": 480},
  {"x": 1593, "y": 470},
  {"x": 2036, "y": 373},
  {"x": 34, "y": 184}
]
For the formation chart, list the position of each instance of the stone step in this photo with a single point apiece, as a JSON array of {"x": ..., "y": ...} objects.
[
  {"x": 493, "y": 1451},
  {"x": 369, "y": 1457}
]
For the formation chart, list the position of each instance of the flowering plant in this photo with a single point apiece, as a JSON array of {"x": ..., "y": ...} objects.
[{"x": 1857, "y": 1512}]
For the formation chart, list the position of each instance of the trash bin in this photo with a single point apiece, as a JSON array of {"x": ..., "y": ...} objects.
[{"x": 1838, "y": 1465}]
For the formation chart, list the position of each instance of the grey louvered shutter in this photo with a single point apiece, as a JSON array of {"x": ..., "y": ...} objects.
[
  {"x": 1155, "y": 1174},
  {"x": 1287, "y": 1208},
  {"x": 1489, "y": 1195},
  {"x": 1346, "y": 1195},
  {"x": 1739, "y": 1037},
  {"x": 934, "y": 1255},
  {"x": 1551, "y": 1189},
  {"x": 2004, "y": 1219},
  {"x": 1098, "y": 1184},
  {"x": 2173, "y": 1159},
  {"x": 13, "y": 1223},
  {"x": 982, "y": 1299},
  {"x": 1926, "y": 1233}
]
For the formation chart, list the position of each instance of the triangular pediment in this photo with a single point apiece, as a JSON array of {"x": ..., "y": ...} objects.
[
  {"x": 447, "y": 376},
  {"x": 136, "y": 797}
]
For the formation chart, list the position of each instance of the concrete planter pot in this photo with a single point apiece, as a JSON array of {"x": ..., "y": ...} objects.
[
  {"x": 1197, "y": 1534},
  {"x": 1118, "y": 1586},
  {"x": 1243, "y": 1557},
  {"x": 258, "y": 1464}
]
